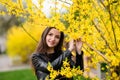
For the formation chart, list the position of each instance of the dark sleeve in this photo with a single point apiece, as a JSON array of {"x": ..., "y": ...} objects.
[
  {"x": 72, "y": 63},
  {"x": 41, "y": 65},
  {"x": 79, "y": 60},
  {"x": 58, "y": 61}
]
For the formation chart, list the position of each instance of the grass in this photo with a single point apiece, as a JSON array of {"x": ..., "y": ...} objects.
[{"x": 24, "y": 74}]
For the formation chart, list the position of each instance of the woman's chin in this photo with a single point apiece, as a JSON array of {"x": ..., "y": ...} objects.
[{"x": 51, "y": 46}]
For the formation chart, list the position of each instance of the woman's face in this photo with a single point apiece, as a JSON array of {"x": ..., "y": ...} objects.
[{"x": 53, "y": 38}]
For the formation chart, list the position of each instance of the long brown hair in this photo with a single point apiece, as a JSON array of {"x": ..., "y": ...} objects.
[{"x": 42, "y": 45}]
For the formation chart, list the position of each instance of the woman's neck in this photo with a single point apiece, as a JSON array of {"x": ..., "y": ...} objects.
[{"x": 50, "y": 51}]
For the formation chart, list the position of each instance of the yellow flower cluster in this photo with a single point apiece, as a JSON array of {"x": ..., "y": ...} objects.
[{"x": 65, "y": 71}]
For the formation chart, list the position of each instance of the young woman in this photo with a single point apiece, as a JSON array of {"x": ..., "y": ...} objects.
[{"x": 49, "y": 49}]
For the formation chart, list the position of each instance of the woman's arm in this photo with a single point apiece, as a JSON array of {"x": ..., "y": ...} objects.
[
  {"x": 79, "y": 53},
  {"x": 59, "y": 60},
  {"x": 79, "y": 60},
  {"x": 67, "y": 54},
  {"x": 41, "y": 65}
]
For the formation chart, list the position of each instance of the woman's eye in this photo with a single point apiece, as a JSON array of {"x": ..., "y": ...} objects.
[
  {"x": 58, "y": 37},
  {"x": 50, "y": 34}
]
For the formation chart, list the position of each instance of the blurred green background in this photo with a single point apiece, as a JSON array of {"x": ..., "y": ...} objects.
[{"x": 23, "y": 74}]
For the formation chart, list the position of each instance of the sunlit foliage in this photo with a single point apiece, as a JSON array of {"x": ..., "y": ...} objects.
[
  {"x": 21, "y": 44},
  {"x": 97, "y": 22}
]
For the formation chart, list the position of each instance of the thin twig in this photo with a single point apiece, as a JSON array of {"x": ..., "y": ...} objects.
[
  {"x": 111, "y": 16},
  {"x": 29, "y": 34},
  {"x": 65, "y": 2},
  {"x": 103, "y": 37},
  {"x": 97, "y": 51},
  {"x": 109, "y": 10},
  {"x": 103, "y": 24}
]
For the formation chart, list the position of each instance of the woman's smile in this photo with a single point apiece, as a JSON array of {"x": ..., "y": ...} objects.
[{"x": 51, "y": 42}]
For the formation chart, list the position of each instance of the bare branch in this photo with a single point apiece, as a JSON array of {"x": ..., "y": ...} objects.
[
  {"x": 103, "y": 37},
  {"x": 29, "y": 34},
  {"x": 109, "y": 10},
  {"x": 65, "y": 2},
  {"x": 97, "y": 52},
  {"x": 101, "y": 19}
]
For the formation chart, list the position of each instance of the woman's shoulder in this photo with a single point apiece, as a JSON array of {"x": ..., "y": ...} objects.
[{"x": 36, "y": 54}]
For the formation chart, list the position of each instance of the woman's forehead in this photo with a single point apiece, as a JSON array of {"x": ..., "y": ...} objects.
[{"x": 53, "y": 30}]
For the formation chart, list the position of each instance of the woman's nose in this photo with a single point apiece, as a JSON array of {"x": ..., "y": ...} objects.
[{"x": 53, "y": 38}]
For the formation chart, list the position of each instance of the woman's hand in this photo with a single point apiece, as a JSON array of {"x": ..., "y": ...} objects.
[
  {"x": 71, "y": 45},
  {"x": 78, "y": 45}
]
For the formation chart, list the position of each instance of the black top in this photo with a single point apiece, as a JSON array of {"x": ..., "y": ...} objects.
[{"x": 40, "y": 61}]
